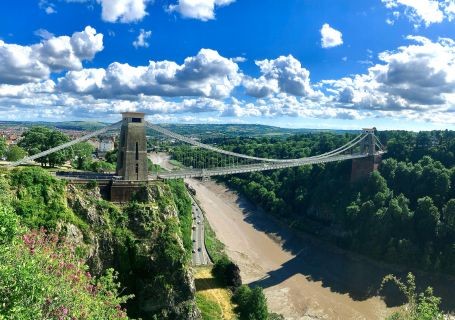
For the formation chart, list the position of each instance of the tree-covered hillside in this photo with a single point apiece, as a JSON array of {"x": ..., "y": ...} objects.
[{"x": 404, "y": 214}]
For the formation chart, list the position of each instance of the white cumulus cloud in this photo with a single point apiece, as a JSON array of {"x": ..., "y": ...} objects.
[
  {"x": 284, "y": 74},
  {"x": 21, "y": 64},
  {"x": 420, "y": 12},
  {"x": 141, "y": 40},
  {"x": 205, "y": 75},
  {"x": 198, "y": 9},
  {"x": 123, "y": 10},
  {"x": 330, "y": 37},
  {"x": 417, "y": 79}
]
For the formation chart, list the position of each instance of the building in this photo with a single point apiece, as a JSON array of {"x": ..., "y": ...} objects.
[{"x": 106, "y": 144}]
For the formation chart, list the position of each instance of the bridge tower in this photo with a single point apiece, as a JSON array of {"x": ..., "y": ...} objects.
[
  {"x": 363, "y": 167},
  {"x": 132, "y": 149}
]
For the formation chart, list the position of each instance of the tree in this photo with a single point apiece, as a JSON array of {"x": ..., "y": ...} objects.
[
  {"x": 15, "y": 153},
  {"x": 3, "y": 147},
  {"x": 82, "y": 154},
  {"x": 251, "y": 303},
  {"x": 102, "y": 166},
  {"x": 38, "y": 139},
  {"x": 449, "y": 213},
  {"x": 426, "y": 218},
  {"x": 227, "y": 272},
  {"x": 111, "y": 156}
]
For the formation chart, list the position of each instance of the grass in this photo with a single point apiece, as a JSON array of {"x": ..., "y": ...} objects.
[
  {"x": 214, "y": 247},
  {"x": 212, "y": 299},
  {"x": 183, "y": 203},
  {"x": 209, "y": 308}
]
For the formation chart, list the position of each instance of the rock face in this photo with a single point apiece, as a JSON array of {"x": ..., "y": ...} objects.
[{"x": 142, "y": 241}]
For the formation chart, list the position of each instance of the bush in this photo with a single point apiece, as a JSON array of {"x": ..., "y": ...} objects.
[
  {"x": 41, "y": 278},
  {"x": 251, "y": 303},
  {"x": 92, "y": 184},
  {"x": 227, "y": 272},
  {"x": 423, "y": 306},
  {"x": 15, "y": 153},
  {"x": 9, "y": 226},
  {"x": 40, "y": 199}
]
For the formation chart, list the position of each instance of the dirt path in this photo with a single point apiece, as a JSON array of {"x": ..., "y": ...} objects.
[{"x": 300, "y": 281}]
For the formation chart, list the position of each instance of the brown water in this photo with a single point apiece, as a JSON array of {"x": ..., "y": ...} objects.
[{"x": 302, "y": 278}]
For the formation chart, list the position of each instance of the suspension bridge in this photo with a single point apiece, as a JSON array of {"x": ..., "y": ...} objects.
[{"x": 204, "y": 160}]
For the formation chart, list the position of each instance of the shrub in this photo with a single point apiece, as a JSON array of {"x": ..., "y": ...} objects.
[
  {"x": 251, "y": 303},
  {"x": 9, "y": 226},
  {"x": 92, "y": 184},
  {"x": 227, "y": 272},
  {"x": 41, "y": 278},
  {"x": 423, "y": 306}
]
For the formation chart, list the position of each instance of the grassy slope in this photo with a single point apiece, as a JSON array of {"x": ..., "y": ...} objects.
[
  {"x": 215, "y": 247},
  {"x": 213, "y": 300}
]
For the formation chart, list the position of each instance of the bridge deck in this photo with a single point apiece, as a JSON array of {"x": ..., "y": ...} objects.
[{"x": 195, "y": 173}]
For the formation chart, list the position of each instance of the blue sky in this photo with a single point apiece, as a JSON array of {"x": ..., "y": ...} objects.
[{"x": 293, "y": 63}]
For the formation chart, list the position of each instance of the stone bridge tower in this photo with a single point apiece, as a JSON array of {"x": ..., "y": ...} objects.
[
  {"x": 363, "y": 167},
  {"x": 132, "y": 149}
]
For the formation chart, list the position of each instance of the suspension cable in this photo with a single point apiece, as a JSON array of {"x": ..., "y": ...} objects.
[
  {"x": 239, "y": 155},
  {"x": 64, "y": 146}
]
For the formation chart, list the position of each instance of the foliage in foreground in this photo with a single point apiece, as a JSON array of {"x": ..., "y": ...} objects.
[
  {"x": 41, "y": 277},
  {"x": 422, "y": 306},
  {"x": 142, "y": 241},
  {"x": 39, "y": 199}
]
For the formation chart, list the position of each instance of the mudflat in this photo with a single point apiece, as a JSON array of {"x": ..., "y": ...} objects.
[{"x": 301, "y": 280}]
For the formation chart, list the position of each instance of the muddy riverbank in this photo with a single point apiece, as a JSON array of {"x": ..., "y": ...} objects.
[{"x": 302, "y": 279}]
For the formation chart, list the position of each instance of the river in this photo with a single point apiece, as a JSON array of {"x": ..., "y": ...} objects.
[{"x": 302, "y": 278}]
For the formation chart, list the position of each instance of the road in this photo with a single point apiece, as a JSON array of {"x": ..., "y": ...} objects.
[{"x": 199, "y": 255}]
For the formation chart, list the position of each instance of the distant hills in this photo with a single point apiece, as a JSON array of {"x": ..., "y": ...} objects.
[
  {"x": 67, "y": 125},
  {"x": 202, "y": 130}
]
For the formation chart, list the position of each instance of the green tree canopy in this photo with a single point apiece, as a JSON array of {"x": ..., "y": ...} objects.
[
  {"x": 15, "y": 153},
  {"x": 449, "y": 213},
  {"x": 426, "y": 218},
  {"x": 251, "y": 303},
  {"x": 38, "y": 139},
  {"x": 82, "y": 154}
]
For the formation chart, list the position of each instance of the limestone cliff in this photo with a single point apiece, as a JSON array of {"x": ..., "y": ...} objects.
[{"x": 142, "y": 240}]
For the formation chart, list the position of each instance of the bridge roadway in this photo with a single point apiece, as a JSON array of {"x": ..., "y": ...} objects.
[{"x": 195, "y": 173}]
